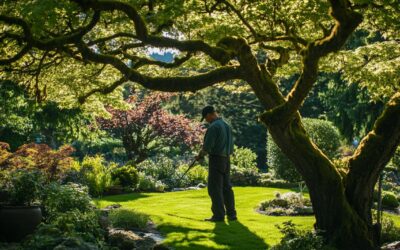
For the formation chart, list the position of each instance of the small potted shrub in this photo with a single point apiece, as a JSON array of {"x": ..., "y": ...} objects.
[{"x": 19, "y": 214}]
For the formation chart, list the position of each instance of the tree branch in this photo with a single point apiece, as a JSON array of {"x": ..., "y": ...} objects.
[
  {"x": 140, "y": 61},
  {"x": 142, "y": 34},
  {"x": 372, "y": 155},
  {"x": 346, "y": 22},
  {"x": 168, "y": 84}
]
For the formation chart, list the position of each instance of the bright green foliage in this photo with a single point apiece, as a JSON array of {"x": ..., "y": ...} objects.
[
  {"x": 243, "y": 158},
  {"x": 128, "y": 219},
  {"x": 390, "y": 231},
  {"x": 148, "y": 183},
  {"x": 63, "y": 198},
  {"x": 96, "y": 174},
  {"x": 126, "y": 176},
  {"x": 198, "y": 174},
  {"x": 321, "y": 132}
]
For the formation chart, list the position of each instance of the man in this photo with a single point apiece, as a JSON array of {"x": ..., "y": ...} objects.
[{"x": 218, "y": 144}]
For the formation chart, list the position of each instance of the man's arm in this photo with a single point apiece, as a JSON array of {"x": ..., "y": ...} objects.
[{"x": 209, "y": 142}]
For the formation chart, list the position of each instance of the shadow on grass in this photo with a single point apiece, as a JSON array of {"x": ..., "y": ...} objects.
[
  {"x": 124, "y": 197},
  {"x": 237, "y": 236},
  {"x": 232, "y": 235}
]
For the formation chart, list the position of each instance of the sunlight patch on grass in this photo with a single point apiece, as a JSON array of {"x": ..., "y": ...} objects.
[{"x": 180, "y": 215}]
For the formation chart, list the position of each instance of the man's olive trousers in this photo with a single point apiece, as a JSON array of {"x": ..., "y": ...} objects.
[{"x": 220, "y": 188}]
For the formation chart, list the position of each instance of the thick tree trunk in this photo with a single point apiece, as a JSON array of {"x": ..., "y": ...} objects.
[
  {"x": 337, "y": 220},
  {"x": 127, "y": 142}
]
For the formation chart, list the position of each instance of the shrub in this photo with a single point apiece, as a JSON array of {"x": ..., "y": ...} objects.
[
  {"x": 294, "y": 238},
  {"x": 197, "y": 174},
  {"x": 322, "y": 133},
  {"x": 390, "y": 232},
  {"x": 126, "y": 176},
  {"x": 165, "y": 170},
  {"x": 53, "y": 163},
  {"x": 149, "y": 183},
  {"x": 23, "y": 187},
  {"x": 244, "y": 158},
  {"x": 73, "y": 229},
  {"x": 267, "y": 180},
  {"x": 287, "y": 204},
  {"x": 396, "y": 159},
  {"x": 63, "y": 198},
  {"x": 160, "y": 168},
  {"x": 245, "y": 176},
  {"x": 96, "y": 175},
  {"x": 389, "y": 200},
  {"x": 128, "y": 219}
]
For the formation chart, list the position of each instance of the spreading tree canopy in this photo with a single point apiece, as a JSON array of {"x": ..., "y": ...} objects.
[{"x": 73, "y": 50}]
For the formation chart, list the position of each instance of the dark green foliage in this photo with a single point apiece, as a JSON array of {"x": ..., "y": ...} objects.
[
  {"x": 396, "y": 159},
  {"x": 63, "y": 198},
  {"x": 71, "y": 220},
  {"x": 294, "y": 238},
  {"x": 128, "y": 219},
  {"x": 23, "y": 120},
  {"x": 323, "y": 134},
  {"x": 73, "y": 228},
  {"x": 347, "y": 106},
  {"x": 389, "y": 200},
  {"x": 126, "y": 176},
  {"x": 23, "y": 187}
]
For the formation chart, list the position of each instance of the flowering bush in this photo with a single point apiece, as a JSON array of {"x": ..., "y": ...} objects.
[{"x": 287, "y": 204}]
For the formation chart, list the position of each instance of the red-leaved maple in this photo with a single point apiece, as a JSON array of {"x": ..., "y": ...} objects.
[{"x": 147, "y": 126}]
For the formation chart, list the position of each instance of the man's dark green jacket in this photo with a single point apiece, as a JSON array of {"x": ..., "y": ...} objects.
[{"x": 218, "y": 138}]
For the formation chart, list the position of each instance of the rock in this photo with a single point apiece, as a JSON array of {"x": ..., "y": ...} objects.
[
  {"x": 125, "y": 240},
  {"x": 392, "y": 246},
  {"x": 111, "y": 207},
  {"x": 201, "y": 185},
  {"x": 106, "y": 210},
  {"x": 184, "y": 189}
]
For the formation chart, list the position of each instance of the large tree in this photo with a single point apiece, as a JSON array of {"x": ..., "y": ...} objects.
[{"x": 65, "y": 49}]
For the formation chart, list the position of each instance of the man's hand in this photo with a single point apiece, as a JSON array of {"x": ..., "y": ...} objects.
[{"x": 201, "y": 155}]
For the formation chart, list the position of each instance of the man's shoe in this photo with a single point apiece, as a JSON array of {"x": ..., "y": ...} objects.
[
  {"x": 232, "y": 218},
  {"x": 212, "y": 219}
]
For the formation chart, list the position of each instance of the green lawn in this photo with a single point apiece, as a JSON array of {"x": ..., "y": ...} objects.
[{"x": 179, "y": 216}]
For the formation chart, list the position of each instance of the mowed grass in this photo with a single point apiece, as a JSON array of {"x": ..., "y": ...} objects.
[{"x": 179, "y": 216}]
